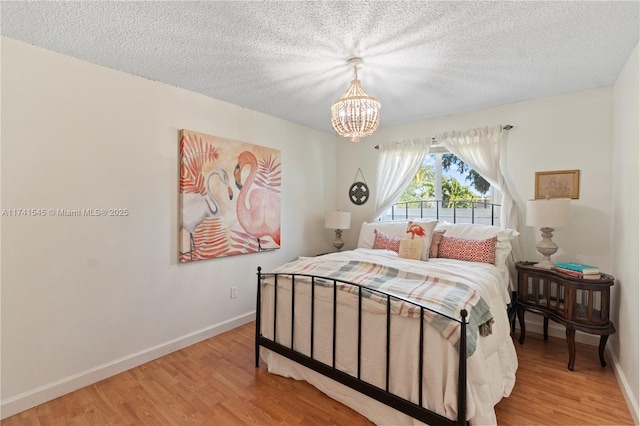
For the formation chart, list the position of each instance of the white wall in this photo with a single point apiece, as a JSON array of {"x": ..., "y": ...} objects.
[
  {"x": 86, "y": 297},
  {"x": 626, "y": 228}
]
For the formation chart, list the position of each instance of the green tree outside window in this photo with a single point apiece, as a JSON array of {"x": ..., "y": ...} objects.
[{"x": 422, "y": 187}]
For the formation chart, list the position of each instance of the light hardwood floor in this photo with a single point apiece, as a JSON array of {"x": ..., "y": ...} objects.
[{"x": 215, "y": 383}]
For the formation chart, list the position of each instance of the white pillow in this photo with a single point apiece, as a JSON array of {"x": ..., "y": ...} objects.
[{"x": 395, "y": 229}]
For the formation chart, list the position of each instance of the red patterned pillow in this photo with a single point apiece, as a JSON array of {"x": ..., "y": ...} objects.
[
  {"x": 382, "y": 241},
  {"x": 466, "y": 249}
]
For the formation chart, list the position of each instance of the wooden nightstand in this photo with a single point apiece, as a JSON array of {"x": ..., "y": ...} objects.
[{"x": 579, "y": 304}]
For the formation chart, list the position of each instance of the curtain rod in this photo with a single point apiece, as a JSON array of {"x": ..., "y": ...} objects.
[{"x": 507, "y": 127}]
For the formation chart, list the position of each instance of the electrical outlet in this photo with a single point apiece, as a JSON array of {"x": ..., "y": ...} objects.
[{"x": 234, "y": 292}]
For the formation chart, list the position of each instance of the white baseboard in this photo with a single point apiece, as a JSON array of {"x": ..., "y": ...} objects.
[
  {"x": 533, "y": 324},
  {"x": 624, "y": 387},
  {"x": 42, "y": 394}
]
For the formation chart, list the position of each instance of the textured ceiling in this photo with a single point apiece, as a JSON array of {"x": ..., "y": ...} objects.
[{"x": 288, "y": 59}]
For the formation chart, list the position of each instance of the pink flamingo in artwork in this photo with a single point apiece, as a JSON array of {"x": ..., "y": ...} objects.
[
  {"x": 258, "y": 206},
  {"x": 415, "y": 229}
]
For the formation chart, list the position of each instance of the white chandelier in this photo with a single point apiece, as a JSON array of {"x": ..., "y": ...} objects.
[{"x": 356, "y": 114}]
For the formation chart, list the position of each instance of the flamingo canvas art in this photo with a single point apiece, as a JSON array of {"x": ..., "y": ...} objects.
[{"x": 229, "y": 197}]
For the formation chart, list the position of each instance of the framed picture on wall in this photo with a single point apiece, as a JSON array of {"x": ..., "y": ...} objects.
[
  {"x": 558, "y": 184},
  {"x": 229, "y": 197}
]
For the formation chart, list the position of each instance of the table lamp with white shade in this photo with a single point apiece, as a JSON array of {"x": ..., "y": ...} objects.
[
  {"x": 337, "y": 220},
  {"x": 548, "y": 214}
]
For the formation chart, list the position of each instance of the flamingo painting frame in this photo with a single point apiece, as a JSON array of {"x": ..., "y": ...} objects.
[{"x": 229, "y": 197}]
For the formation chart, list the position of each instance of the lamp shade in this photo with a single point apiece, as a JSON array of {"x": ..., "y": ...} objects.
[
  {"x": 337, "y": 220},
  {"x": 549, "y": 213}
]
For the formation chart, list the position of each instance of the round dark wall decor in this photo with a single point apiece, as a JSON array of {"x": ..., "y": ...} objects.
[{"x": 359, "y": 191}]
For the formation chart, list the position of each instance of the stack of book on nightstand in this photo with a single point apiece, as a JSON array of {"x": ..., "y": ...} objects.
[{"x": 578, "y": 270}]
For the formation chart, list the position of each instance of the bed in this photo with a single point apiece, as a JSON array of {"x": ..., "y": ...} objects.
[{"x": 403, "y": 341}]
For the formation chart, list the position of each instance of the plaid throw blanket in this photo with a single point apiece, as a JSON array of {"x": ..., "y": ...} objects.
[{"x": 447, "y": 297}]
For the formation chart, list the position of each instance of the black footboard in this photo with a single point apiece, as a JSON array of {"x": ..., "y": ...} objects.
[{"x": 383, "y": 395}]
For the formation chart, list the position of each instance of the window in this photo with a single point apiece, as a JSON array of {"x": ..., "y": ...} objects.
[{"x": 446, "y": 188}]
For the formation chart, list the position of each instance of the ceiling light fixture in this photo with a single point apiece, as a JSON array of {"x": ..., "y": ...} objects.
[{"x": 356, "y": 114}]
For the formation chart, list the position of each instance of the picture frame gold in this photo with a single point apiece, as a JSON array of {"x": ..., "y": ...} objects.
[{"x": 558, "y": 184}]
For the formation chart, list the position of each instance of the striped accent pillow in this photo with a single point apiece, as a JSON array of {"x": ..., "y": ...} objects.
[
  {"x": 382, "y": 241},
  {"x": 436, "y": 239},
  {"x": 466, "y": 249}
]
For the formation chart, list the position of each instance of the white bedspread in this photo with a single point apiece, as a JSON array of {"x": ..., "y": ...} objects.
[{"x": 490, "y": 370}]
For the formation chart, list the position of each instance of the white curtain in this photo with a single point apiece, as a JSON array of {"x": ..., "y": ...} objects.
[
  {"x": 480, "y": 149},
  {"x": 398, "y": 164}
]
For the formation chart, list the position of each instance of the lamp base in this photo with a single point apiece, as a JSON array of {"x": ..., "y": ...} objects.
[
  {"x": 338, "y": 243},
  {"x": 546, "y": 248},
  {"x": 544, "y": 264}
]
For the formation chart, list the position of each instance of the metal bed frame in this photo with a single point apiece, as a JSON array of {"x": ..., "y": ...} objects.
[{"x": 417, "y": 411}]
